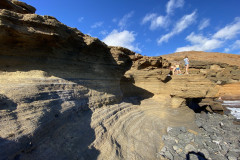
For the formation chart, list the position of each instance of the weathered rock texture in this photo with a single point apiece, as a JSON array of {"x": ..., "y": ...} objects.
[
  {"x": 221, "y": 69},
  {"x": 213, "y": 57},
  {"x": 216, "y": 139},
  {"x": 152, "y": 76},
  {"x": 17, "y": 6},
  {"x": 48, "y": 74},
  {"x": 66, "y": 95}
]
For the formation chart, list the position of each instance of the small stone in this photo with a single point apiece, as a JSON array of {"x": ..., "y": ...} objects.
[
  {"x": 168, "y": 155},
  {"x": 192, "y": 131},
  {"x": 199, "y": 123},
  {"x": 175, "y": 148},
  {"x": 221, "y": 124},
  {"x": 233, "y": 154},
  {"x": 205, "y": 153},
  {"x": 176, "y": 131},
  {"x": 236, "y": 150},
  {"x": 190, "y": 148},
  {"x": 232, "y": 158},
  {"x": 164, "y": 149},
  {"x": 169, "y": 129}
]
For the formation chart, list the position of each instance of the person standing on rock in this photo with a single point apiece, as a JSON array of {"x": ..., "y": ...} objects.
[
  {"x": 178, "y": 69},
  {"x": 186, "y": 61}
]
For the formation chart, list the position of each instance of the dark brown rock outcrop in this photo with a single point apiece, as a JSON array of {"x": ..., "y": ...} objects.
[
  {"x": 49, "y": 75},
  {"x": 17, "y": 6}
]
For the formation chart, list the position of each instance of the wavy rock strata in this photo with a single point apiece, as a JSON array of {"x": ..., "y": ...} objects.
[{"x": 48, "y": 74}]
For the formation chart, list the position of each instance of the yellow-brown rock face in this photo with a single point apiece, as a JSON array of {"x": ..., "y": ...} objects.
[
  {"x": 48, "y": 73},
  {"x": 66, "y": 95}
]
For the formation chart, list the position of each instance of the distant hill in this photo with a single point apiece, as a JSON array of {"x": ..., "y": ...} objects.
[{"x": 231, "y": 59}]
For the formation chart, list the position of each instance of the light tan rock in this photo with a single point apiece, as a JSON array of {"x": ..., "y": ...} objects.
[{"x": 177, "y": 102}]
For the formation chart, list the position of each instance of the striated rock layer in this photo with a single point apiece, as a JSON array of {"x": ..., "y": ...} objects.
[
  {"x": 49, "y": 73},
  {"x": 66, "y": 95}
]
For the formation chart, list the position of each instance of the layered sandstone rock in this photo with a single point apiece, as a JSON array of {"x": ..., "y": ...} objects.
[
  {"x": 66, "y": 95},
  {"x": 213, "y": 57},
  {"x": 222, "y": 69},
  {"x": 49, "y": 74},
  {"x": 146, "y": 79}
]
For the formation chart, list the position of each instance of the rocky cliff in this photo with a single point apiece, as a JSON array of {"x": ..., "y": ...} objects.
[
  {"x": 221, "y": 69},
  {"x": 66, "y": 95},
  {"x": 48, "y": 72}
]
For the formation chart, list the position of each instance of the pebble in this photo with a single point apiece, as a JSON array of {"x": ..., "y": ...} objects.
[
  {"x": 190, "y": 148},
  {"x": 169, "y": 155},
  {"x": 232, "y": 158},
  {"x": 205, "y": 152}
]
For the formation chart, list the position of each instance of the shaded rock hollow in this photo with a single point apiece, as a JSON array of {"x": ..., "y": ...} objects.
[{"x": 66, "y": 95}]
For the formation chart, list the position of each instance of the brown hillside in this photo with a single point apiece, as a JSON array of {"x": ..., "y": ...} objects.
[{"x": 231, "y": 59}]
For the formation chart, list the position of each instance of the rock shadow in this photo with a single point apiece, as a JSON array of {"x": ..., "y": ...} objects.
[
  {"x": 167, "y": 79},
  {"x": 193, "y": 155},
  {"x": 193, "y": 103},
  {"x": 71, "y": 64},
  {"x": 60, "y": 135},
  {"x": 87, "y": 65},
  {"x": 8, "y": 105},
  {"x": 131, "y": 93}
]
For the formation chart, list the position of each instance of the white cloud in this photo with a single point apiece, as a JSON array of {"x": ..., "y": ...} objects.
[
  {"x": 230, "y": 31},
  {"x": 227, "y": 50},
  {"x": 173, "y": 4},
  {"x": 104, "y": 32},
  {"x": 97, "y": 25},
  {"x": 181, "y": 25},
  {"x": 149, "y": 17},
  {"x": 158, "y": 21},
  {"x": 234, "y": 46},
  {"x": 123, "y": 22},
  {"x": 200, "y": 43},
  {"x": 203, "y": 24},
  {"x": 125, "y": 39},
  {"x": 80, "y": 19},
  {"x": 184, "y": 22},
  {"x": 165, "y": 38},
  {"x": 222, "y": 36}
]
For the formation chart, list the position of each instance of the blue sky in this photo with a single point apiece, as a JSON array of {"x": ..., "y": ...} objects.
[{"x": 153, "y": 27}]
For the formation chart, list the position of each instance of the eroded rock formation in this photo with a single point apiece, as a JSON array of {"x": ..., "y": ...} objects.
[
  {"x": 50, "y": 72},
  {"x": 66, "y": 95}
]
